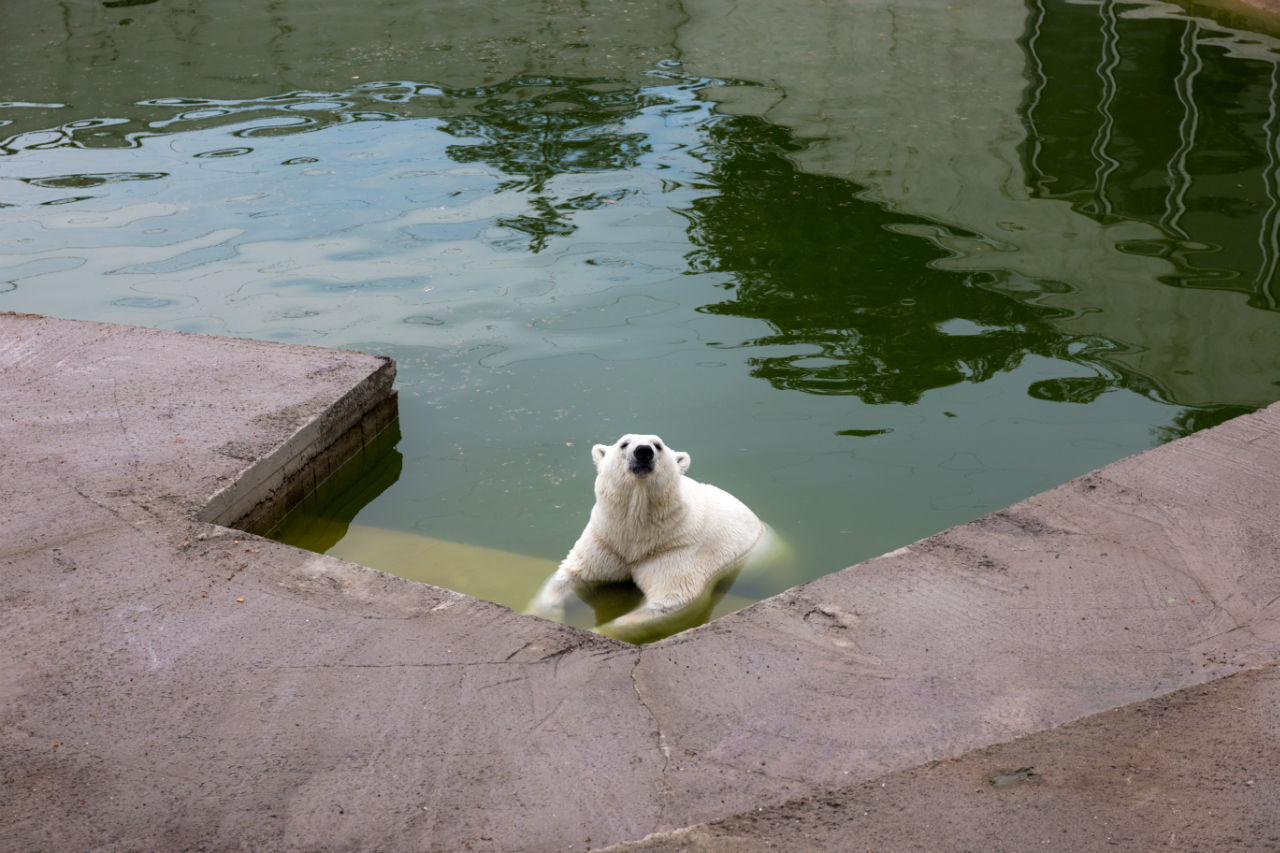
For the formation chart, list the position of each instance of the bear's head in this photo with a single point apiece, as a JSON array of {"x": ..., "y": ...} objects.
[{"x": 639, "y": 457}]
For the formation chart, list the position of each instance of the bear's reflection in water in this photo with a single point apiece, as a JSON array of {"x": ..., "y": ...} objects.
[{"x": 602, "y": 603}]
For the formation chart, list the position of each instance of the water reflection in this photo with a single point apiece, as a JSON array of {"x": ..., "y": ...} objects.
[
  {"x": 529, "y": 131},
  {"x": 1168, "y": 126},
  {"x": 89, "y": 180},
  {"x": 851, "y": 290},
  {"x": 895, "y": 287},
  {"x": 534, "y": 129},
  {"x": 861, "y": 303}
]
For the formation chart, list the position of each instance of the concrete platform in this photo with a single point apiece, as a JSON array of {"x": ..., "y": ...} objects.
[{"x": 170, "y": 683}]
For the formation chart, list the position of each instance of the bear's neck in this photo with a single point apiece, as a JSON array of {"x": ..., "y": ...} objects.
[{"x": 642, "y": 503}]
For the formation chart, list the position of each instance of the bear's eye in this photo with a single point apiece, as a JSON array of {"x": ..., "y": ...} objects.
[
  {"x": 657, "y": 445},
  {"x": 623, "y": 446}
]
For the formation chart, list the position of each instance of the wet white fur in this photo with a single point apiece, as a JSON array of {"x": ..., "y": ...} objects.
[{"x": 669, "y": 534}]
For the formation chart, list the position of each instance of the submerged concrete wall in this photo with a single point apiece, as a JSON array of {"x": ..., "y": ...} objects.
[{"x": 172, "y": 684}]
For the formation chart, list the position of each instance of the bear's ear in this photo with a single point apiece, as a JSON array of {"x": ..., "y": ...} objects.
[
  {"x": 598, "y": 452},
  {"x": 682, "y": 461}
]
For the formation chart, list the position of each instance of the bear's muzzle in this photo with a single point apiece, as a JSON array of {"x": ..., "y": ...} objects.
[{"x": 641, "y": 460}]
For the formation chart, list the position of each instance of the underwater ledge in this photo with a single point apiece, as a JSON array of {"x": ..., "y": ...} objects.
[{"x": 174, "y": 683}]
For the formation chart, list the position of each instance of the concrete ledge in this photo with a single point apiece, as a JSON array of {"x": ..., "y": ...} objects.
[
  {"x": 172, "y": 684},
  {"x": 275, "y": 482}
]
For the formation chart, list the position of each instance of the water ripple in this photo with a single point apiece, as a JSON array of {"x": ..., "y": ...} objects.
[{"x": 85, "y": 181}]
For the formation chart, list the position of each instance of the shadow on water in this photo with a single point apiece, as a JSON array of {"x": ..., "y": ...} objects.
[{"x": 322, "y": 518}]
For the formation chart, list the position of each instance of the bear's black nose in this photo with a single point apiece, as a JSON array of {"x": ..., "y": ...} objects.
[{"x": 641, "y": 461}]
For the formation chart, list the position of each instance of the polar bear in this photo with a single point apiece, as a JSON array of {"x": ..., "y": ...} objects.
[{"x": 670, "y": 535}]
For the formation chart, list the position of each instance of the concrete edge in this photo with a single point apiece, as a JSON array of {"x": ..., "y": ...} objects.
[
  {"x": 1255, "y": 420},
  {"x": 265, "y": 491}
]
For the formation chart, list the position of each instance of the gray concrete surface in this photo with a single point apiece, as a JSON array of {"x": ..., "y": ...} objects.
[
  {"x": 1191, "y": 770},
  {"x": 172, "y": 684}
]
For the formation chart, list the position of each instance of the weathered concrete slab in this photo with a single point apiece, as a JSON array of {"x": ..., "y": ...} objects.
[
  {"x": 152, "y": 425},
  {"x": 334, "y": 708},
  {"x": 172, "y": 684},
  {"x": 1191, "y": 770}
]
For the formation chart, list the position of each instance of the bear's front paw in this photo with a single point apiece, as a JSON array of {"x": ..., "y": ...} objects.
[
  {"x": 553, "y": 612},
  {"x": 644, "y": 624},
  {"x": 615, "y": 631}
]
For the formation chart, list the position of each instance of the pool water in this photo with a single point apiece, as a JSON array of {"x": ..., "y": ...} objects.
[{"x": 879, "y": 270}]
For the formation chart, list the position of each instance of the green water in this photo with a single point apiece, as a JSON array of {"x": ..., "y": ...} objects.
[{"x": 878, "y": 268}]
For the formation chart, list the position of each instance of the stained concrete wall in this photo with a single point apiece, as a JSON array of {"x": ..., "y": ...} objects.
[{"x": 94, "y": 55}]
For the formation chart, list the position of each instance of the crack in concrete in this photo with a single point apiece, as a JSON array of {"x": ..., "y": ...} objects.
[
  {"x": 550, "y": 659},
  {"x": 664, "y": 787},
  {"x": 117, "y": 514},
  {"x": 808, "y": 784},
  {"x": 554, "y": 654},
  {"x": 124, "y": 429},
  {"x": 67, "y": 539}
]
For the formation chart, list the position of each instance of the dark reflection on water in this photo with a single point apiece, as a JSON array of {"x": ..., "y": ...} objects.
[
  {"x": 1188, "y": 421},
  {"x": 323, "y": 517},
  {"x": 854, "y": 287},
  {"x": 87, "y": 181},
  {"x": 534, "y": 129},
  {"x": 840, "y": 275},
  {"x": 1156, "y": 120}
]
